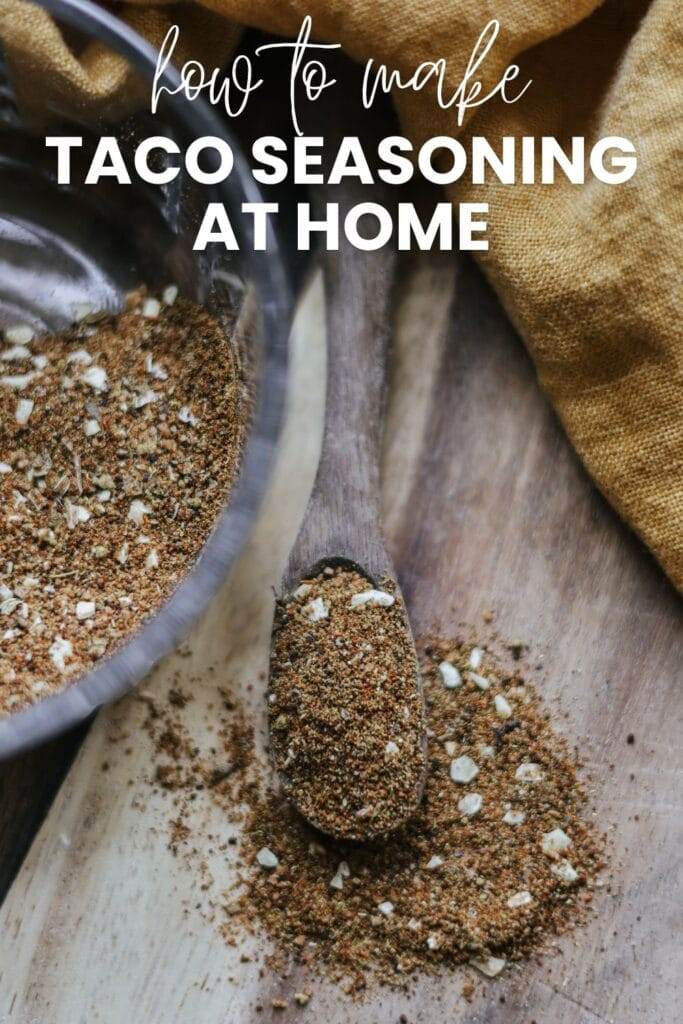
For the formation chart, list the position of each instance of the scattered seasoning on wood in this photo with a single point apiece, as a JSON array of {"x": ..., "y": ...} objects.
[
  {"x": 345, "y": 706},
  {"x": 119, "y": 442},
  {"x": 487, "y": 873}
]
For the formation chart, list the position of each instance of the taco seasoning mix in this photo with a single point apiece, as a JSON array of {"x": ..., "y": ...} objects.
[
  {"x": 345, "y": 705},
  {"x": 119, "y": 442},
  {"x": 502, "y": 856}
]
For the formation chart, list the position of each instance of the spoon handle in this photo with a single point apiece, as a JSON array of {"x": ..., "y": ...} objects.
[{"x": 343, "y": 515}]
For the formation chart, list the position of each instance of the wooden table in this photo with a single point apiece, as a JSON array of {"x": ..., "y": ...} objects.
[{"x": 486, "y": 506}]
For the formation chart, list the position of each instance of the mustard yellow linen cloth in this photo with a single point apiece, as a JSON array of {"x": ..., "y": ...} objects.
[{"x": 591, "y": 275}]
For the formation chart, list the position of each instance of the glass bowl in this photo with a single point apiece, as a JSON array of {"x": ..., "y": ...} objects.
[{"x": 61, "y": 246}]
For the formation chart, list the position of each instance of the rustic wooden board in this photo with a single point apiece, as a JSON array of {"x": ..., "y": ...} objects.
[{"x": 486, "y": 507}]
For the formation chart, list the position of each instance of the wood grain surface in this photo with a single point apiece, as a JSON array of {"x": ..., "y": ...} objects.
[{"x": 486, "y": 507}]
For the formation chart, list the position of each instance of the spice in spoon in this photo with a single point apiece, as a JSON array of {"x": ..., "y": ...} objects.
[{"x": 346, "y": 715}]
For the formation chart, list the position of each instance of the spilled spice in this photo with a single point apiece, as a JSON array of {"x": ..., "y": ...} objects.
[
  {"x": 227, "y": 771},
  {"x": 119, "y": 442},
  {"x": 345, "y": 708},
  {"x": 500, "y": 858}
]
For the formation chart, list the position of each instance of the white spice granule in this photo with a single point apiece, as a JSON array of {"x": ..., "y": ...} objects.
[
  {"x": 376, "y": 598},
  {"x": 137, "y": 511},
  {"x": 155, "y": 370},
  {"x": 502, "y": 706},
  {"x": 555, "y": 841},
  {"x": 267, "y": 859},
  {"x": 490, "y": 966},
  {"x": 470, "y": 805},
  {"x": 514, "y": 818},
  {"x": 80, "y": 357},
  {"x": 19, "y": 334},
  {"x": 152, "y": 560},
  {"x": 316, "y": 610},
  {"x": 529, "y": 772},
  {"x": 15, "y": 354},
  {"x": 151, "y": 308},
  {"x": 185, "y": 415},
  {"x": 60, "y": 651},
  {"x": 565, "y": 871},
  {"x": 23, "y": 411},
  {"x": 463, "y": 770},
  {"x": 18, "y": 381},
  {"x": 96, "y": 378},
  {"x": 450, "y": 675},
  {"x": 520, "y": 899},
  {"x": 475, "y": 659},
  {"x": 480, "y": 681}
]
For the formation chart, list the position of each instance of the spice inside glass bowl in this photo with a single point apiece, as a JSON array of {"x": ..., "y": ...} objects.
[{"x": 142, "y": 392}]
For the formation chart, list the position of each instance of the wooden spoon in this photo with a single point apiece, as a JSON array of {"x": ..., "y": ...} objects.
[{"x": 342, "y": 527}]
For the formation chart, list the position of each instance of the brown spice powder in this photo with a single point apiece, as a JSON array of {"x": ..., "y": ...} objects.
[
  {"x": 486, "y": 881},
  {"x": 345, "y": 709},
  {"x": 119, "y": 442}
]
